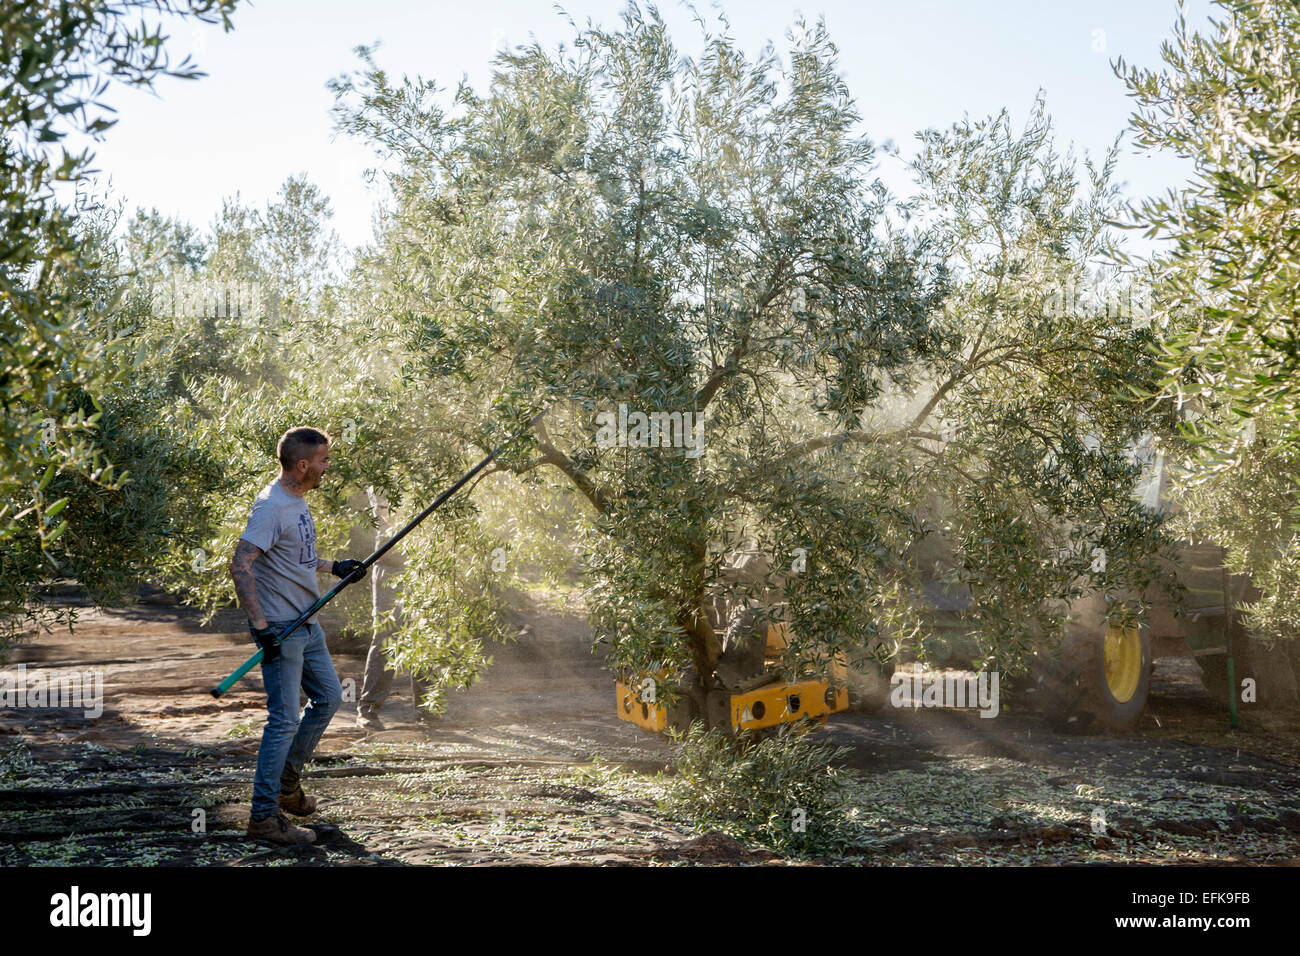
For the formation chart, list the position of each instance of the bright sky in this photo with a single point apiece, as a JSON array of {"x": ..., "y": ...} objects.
[{"x": 262, "y": 113}]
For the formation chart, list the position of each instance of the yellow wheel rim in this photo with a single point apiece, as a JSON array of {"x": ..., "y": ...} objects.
[{"x": 1122, "y": 657}]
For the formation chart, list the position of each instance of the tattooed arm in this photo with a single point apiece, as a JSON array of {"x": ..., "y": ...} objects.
[
  {"x": 241, "y": 572},
  {"x": 323, "y": 566}
]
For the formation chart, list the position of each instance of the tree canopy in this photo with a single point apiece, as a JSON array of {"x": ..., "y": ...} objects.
[{"x": 622, "y": 228}]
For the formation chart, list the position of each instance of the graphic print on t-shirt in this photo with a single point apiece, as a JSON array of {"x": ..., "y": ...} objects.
[{"x": 307, "y": 539}]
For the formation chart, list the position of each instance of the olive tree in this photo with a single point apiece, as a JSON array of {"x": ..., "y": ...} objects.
[{"x": 620, "y": 231}]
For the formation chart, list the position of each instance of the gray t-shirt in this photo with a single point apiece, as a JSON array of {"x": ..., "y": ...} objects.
[{"x": 285, "y": 572}]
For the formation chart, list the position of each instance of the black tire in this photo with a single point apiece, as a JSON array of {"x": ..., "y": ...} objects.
[{"x": 1073, "y": 692}]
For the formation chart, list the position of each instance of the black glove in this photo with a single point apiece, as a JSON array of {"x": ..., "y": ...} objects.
[
  {"x": 345, "y": 570},
  {"x": 265, "y": 638}
]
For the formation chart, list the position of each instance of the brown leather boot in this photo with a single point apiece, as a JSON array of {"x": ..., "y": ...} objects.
[
  {"x": 298, "y": 803},
  {"x": 277, "y": 829}
]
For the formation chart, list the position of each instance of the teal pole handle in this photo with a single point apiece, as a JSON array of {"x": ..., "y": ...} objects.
[
  {"x": 239, "y": 672},
  {"x": 256, "y": 659}
]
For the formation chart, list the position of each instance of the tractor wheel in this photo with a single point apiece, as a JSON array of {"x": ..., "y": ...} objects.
[{"x": 1101, "y": 681}]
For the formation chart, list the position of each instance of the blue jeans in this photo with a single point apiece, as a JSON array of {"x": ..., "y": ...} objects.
[{"x": 289, "y": 739}]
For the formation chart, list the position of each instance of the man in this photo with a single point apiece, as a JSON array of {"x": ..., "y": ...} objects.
[
  {"x": 274, "y": 569},
  {"x": 377, "y": 682}
]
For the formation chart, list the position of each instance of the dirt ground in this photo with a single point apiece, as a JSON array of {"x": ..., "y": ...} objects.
[{"x": 532, "y": 766}]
